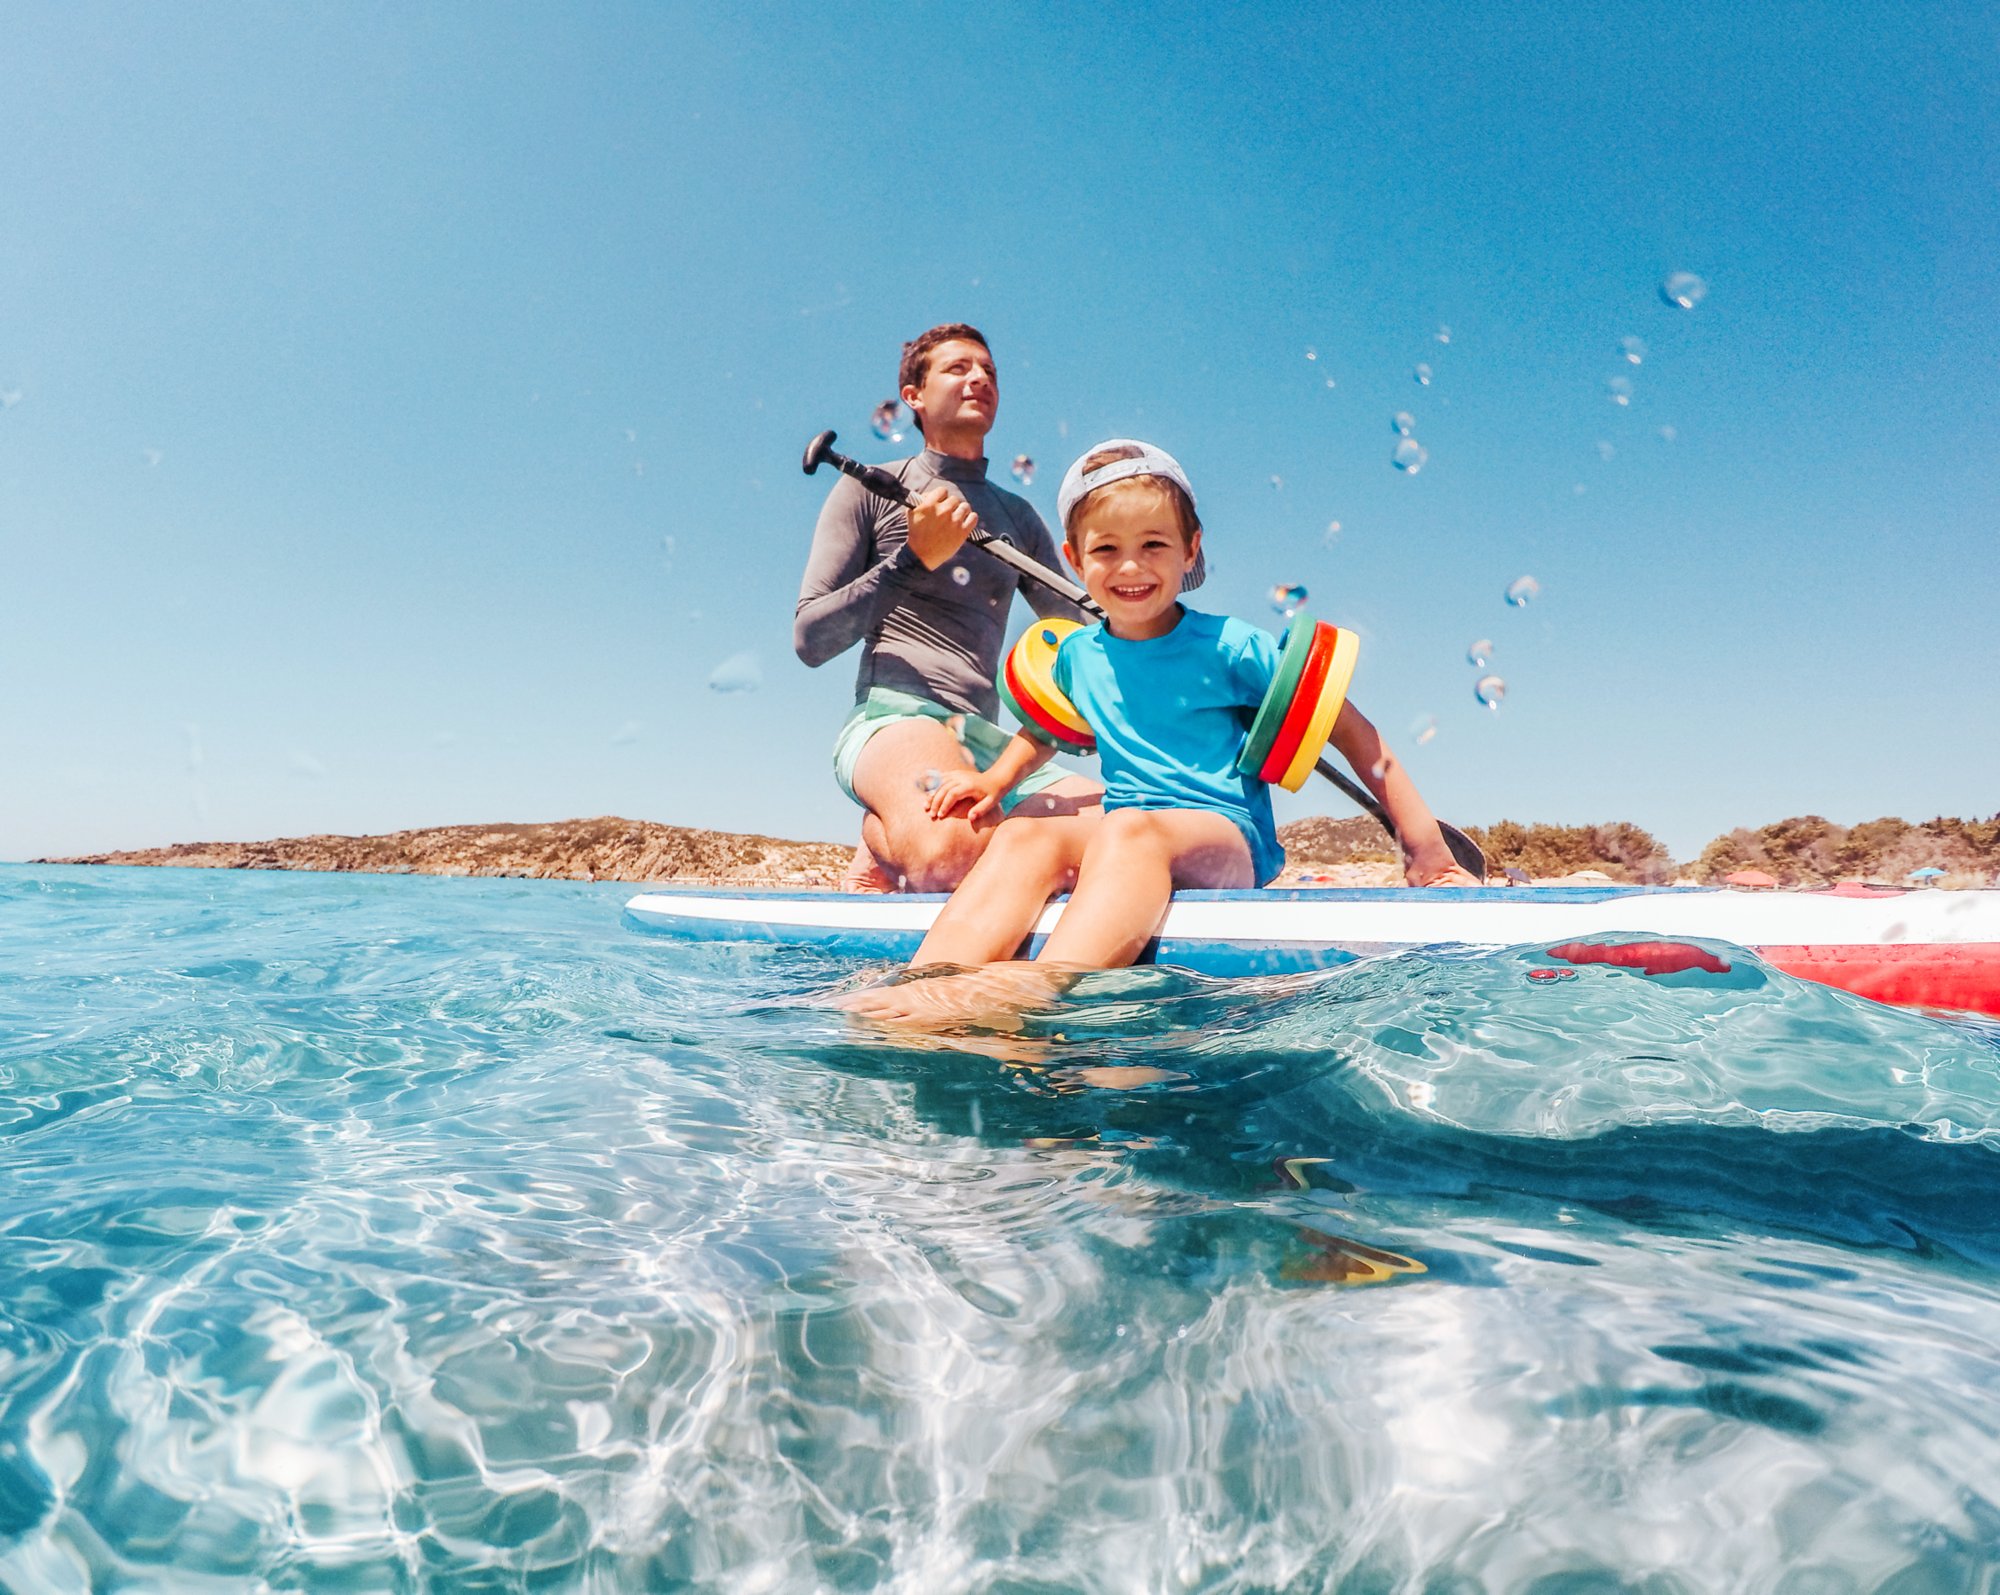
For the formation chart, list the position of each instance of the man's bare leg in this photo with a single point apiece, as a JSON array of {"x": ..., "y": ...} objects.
[
  {"x": 865, "y": 873},
  {"x": 894, "y": 776}
]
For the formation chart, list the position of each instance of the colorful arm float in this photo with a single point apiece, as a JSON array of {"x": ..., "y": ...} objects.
[
  {"x": 1297, "y": 714},
  {"x": 1028, "y": 687},
  {"x": 1286, "y": 738}
]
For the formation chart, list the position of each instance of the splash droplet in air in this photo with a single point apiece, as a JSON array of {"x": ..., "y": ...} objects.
[
  {"x": 1312, "y": 354},
  {"x": 929, "y": 781},
  {"x": 1684, "y": 290},
  {"x": 153, "y": 456},
  {"x": 1024, "y": 470},
  {"x": 1423, "y": 729},
  {"x": 1444, "y": 335},
  {"x": 1409, "y": 456},
  {"x": 1403, "y": 424},
  {"x": 1522, "y": 591},
  {"x": 1423, "y": 376},
  {"x": 1286, "y": 598},
  {"x": 1604, "y": 450},
  {"x": 960, "y": 575},
  {"x": 1619, "y": 390},
  {"x": 740, "y": 672},
  {"x": 9, "y": 397},
  {"x": 883, "y": 421},
  {"x": 1633, "y": 350},
  {"x": 1669, "y": 433},
  {"x": 1490, "y": 690},
  {"x": 1332, "y": 534},
  {"x": 1277, "y": 483},
  {"x": 1480, "y": 654}
]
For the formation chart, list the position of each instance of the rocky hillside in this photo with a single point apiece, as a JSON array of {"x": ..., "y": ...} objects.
[{"x": 603, "y": 849}]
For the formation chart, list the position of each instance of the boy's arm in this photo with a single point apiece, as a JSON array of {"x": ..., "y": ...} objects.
[
  {"x": 1426, "y": 859},
  {"x": 1022, "y": 756}
]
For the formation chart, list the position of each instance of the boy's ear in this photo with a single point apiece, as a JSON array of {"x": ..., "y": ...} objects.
[
  {"x": 1069, "y": 557},
  {"x": 1194, "y": 548}
]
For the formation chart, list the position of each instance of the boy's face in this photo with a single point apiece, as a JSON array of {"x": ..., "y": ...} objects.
[
  {"x": 960, "y": 392},
  {"x": 1126, "y": 544}
]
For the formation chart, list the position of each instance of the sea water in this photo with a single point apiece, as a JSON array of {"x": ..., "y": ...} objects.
[{"x": 370, "y": 1233}]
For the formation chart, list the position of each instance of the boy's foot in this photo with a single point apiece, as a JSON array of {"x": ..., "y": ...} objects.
[{"x": 992, "y": 998}]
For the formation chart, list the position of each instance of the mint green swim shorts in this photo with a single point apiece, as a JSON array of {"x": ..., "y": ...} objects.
[{"x": 980, "y": 738}]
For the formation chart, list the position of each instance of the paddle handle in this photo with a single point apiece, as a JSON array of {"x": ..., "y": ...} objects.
[{"x": 884, "y": 483}]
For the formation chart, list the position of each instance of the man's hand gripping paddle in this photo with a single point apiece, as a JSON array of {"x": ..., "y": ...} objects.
[{"x": 885, "y": 485}]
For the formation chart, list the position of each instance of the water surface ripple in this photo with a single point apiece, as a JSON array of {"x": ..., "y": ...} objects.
[{"x": 395, "y": 1234}]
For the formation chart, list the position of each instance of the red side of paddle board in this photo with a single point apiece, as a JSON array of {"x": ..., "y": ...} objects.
[{"x": 1938, "y": 975}]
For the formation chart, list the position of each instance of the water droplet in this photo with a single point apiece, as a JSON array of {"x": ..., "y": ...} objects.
[
  {"x": 1422, "y": 1093},
  {"x": 1277, "y": 483},
  {"x": 929, "y": 781},
  {"x": 960, "y": 575},
  {"x": 1312, "y": 354},
  {"x": 1633, "y": 349},
  {"x": 9, "y": 397},
  {"x": 1329, "y": 382},
  {"x": 1522, "y": 591},
  {"x": 1480, "y": 654},
  {"x": 1286, "y": 598},
  {"x": 1409, "y": 456},
  {"x": 1024, "y": 470},
  {"x": 740, "y": 672},
  {"x": 1423, "y": 729},
  {"x": 1604, "y": 450},
  {"x": 1669, "y": 433},
  {"x": 1332, "y": 534},
  {"x": 1379, "y": 769},
  {"x": 1444, "y": 335},
  {"x": 1489, "y": 690},
  {"x": 1619, "y": 390},
  {"x": 1121, "y": 1331},
  {"x": 1403, "y": 424},
  {"x": 1684, "y": 289},
  {"x": 883, "y": 421},
  {"x": 1423, "y": 376},
  {"x": 153, "y": 456}
]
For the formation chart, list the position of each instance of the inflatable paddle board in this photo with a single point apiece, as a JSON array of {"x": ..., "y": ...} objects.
[{"x": 1919, "y": 948}]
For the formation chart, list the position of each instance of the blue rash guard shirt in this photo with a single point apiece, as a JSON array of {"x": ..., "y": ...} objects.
[{"x": 1170, "y": 715}]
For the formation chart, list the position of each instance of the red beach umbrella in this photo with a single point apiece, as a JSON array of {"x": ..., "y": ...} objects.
[{"x": 1750, "y": 877}]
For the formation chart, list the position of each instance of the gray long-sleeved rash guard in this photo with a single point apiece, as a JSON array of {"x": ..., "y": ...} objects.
[{"x": 933, "y": 633}]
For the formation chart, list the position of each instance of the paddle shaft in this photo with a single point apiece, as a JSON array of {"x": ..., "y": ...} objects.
[{"x": 888, "y": 485}]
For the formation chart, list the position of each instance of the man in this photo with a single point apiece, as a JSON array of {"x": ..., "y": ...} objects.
[{"x": 930, "y": 612}]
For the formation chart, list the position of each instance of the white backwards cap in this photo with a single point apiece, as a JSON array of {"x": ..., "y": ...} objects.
[{"x": 1139, "y": 459}]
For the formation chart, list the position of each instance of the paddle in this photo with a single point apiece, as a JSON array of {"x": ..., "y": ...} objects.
[{"x": 884, "y": 483}]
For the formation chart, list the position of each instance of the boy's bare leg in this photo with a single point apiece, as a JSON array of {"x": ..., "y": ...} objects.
[
  {"x": 1135, "y": 860},
  {"x": 1029, "y": 859}
]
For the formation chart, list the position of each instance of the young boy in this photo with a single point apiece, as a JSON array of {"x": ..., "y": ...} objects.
[{"x": 1165, "y": 690}]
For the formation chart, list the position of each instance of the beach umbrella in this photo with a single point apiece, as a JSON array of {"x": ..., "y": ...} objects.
[
  {"x": 1750, "y": 877},
  {"x": 1929, "y": 872},
  {"x": 1515, "y": 877}
]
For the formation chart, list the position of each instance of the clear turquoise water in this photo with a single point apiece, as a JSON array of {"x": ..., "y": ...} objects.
[{"x": 396, "y": 1233}]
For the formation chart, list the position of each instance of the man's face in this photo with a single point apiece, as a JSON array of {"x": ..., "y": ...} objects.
[{"x": 960, "y": 392}]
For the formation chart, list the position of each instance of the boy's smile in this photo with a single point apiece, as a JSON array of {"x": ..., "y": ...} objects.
[{"x": 1127, "y": 547}]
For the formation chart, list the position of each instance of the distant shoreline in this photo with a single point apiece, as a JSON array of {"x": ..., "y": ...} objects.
[{"x": 1807, "y": 851}]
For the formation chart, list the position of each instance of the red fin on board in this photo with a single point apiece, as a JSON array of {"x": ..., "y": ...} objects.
[{"x": 1652, "y": 957}]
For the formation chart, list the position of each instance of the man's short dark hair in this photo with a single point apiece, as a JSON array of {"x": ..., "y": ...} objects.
[{"x": 917, "y": 353}]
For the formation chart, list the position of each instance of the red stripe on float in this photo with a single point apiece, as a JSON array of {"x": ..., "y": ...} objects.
[{"x": 1937, "y": 975}]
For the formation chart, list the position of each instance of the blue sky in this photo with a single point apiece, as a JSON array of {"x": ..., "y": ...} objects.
[{"x": 402, "y": 405}]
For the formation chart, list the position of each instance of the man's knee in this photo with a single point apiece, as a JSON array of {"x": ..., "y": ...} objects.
[{"x": 935, "y": 855}]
